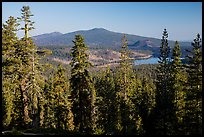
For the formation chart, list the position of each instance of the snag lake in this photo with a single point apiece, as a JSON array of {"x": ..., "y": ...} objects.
[{"x": 152, "y": 60}]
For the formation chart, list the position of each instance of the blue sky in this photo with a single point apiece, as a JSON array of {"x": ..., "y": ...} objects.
[{"x": 183, "y": 20}]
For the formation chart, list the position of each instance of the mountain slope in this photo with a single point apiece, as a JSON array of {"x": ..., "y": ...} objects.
[
  {"x": 102, "y": 38},
  {"x": 46, "y": 36}
]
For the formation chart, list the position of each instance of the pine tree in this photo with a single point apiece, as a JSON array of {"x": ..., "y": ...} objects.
[
  {"x": 106, "y": 102},
  {"x": 193, "y": 118},
  {"x": 135, "y": 101},
  {"x": 147, "y": 101},
  {"x": 49, "y": 102},
  {"x": 123, "y": 86},
  {"x": 164, "y": 97},
  {"x": 178, "y": 81},
  {"x": 125, "y": 68},
  {"x": 9, "y": 42},
  {"x": 35, "y": 90},
  {"x": 62, "y": 107},
  {"x": 26, "y": 14},
  {"x": 22, "y": 65},
  {"x": 127, "y": 96},
  {"x": 82, "y": 89},
  {"x": 29, "y": 72}
]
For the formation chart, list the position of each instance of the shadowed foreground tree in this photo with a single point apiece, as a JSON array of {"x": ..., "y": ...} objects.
[
  {"x": 193, "y": 119},
  {"x": 164, "y": 114}
]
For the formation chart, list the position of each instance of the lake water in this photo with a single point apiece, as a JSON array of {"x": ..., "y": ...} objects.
[
  {"x": 146, "y": 61},
  {"x": 153, "y": 60}
]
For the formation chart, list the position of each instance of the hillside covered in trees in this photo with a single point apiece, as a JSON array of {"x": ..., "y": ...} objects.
[
  {"x": 75, "y": 99},
  {"x": 100, "y": 38}
]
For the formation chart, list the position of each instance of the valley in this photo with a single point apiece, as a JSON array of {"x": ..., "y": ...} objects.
[
  {"x": 100, "y": 58},
  {"x": 104, "y": 46}
]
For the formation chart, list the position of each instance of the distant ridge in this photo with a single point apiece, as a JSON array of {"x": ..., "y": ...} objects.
[
  {"x": 47, "y": 35},
  {"x": 100, "y": 37}
]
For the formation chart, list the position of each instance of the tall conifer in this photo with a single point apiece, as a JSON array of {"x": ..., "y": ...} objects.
[
  {"x": 82, "y": 89},
  {"x": 193, "y": 118},
  {"x": 9, "y": 77},
  {"x": 164, "y": 96},
  {"x": 178, "y": 82}
]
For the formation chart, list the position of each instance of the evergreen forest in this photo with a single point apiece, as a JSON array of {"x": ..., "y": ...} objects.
[{"x": 50, "y": 99}]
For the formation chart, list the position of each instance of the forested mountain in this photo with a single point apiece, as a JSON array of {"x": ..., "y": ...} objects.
[
  {"x": 98, "y": 37},
  {"x": 47, "y": 35},
  {"x": 102, "y": 38}
]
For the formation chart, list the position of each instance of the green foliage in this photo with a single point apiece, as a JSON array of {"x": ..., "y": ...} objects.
[
  {"x": 28, "y": 24},
  {"x": 159, "y": 99},
  {"x": 178, "y": 81},
  {"x": 164, "y": 109},
  {"x": 147, "y": 101},
  {"x": 82, "y": 90},
  {"x": 128, "y": 120},
  {"x": 32, "y": 80},
  {"x": 49, "y": 93},
  {"x": 193, "y": 119},
  {"x": 24, "y": 68},
  {"x": 62, "y": 105},
  {"x": 9, "y": 40},
  {"x": 106, "y": 102}
]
